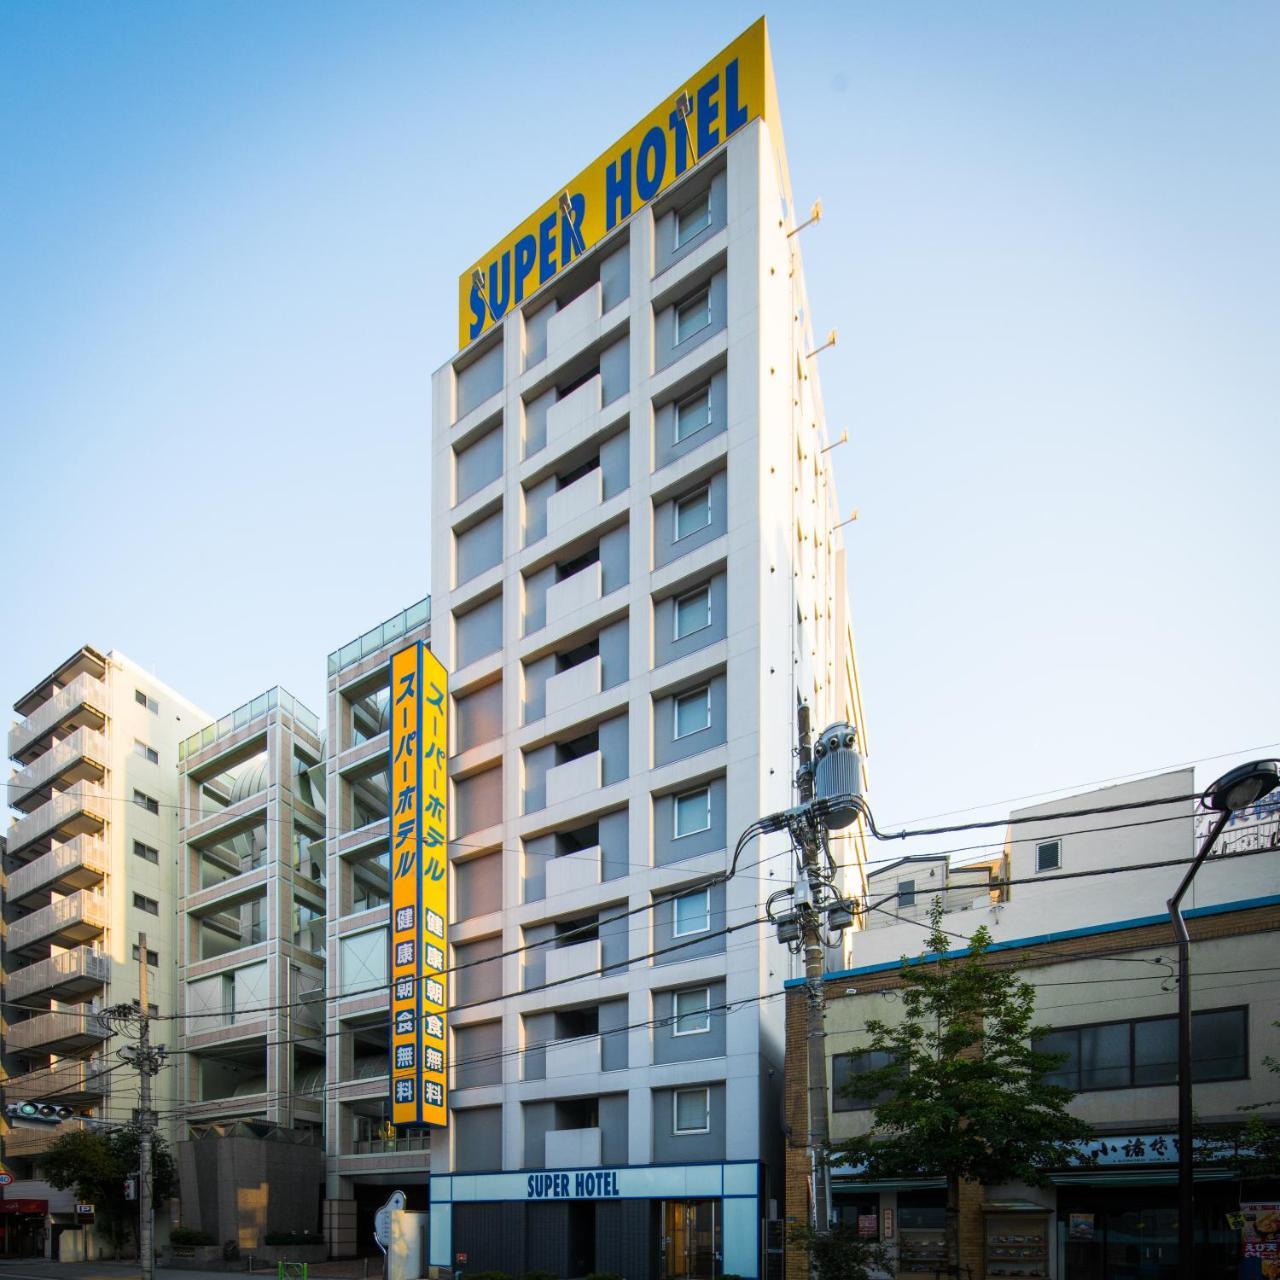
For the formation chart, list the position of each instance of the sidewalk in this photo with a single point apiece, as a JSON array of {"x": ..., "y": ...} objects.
[{"x": 42, "y": 1269}]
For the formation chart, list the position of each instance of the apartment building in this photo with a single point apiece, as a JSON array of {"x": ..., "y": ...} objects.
[
  {"x": 1098, "y": 951},
  {"x": 637, "y": 574},
  {"x": 251, "y": 937},
  {"x": 91, "y": 863},
  {"x": 366, "y": 1159}
]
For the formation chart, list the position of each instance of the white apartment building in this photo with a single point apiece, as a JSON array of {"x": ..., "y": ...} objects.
[
  {"x": 637, "y": 577},
  {"x": 91, "y": 863}
]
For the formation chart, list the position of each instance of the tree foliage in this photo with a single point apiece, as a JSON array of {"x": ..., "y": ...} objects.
[
  {"x": 841, "y": 1254},
  {"x": 97, "y": 1164}
]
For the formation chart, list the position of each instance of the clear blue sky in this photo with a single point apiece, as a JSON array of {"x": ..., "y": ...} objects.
[{"x": 232, "y": 231}]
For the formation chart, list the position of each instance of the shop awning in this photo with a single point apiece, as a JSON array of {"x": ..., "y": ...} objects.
[
  {"x": 888, "y": 1184},
  {"x": 1136, "y": 1177}
]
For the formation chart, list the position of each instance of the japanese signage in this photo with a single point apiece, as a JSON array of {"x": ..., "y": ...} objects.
[
  {"x": 734, "y": 88},
  {"x": 419, "y": 871},
  {"x": 1260, "y": 1224},
  {"x": 1127, "y": 1149}
]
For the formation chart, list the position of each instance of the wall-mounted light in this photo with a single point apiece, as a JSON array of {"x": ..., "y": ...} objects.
[
  {"x": 566, "y": 210},
  {"x": 477, "y": 283},
  {"x": 815, "y": 215},
  {"x": 849, "y": 520},
  {"x": 684, "y": 109},
  {"x": 844, "y": 439},
  {"x": 830, "y": 342}
]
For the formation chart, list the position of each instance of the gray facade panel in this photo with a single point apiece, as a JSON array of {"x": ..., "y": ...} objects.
[
  {"x": 691, "y": 945},
  {"x": 666, "y": 648},
  {"x": 666, "y": 349},
  {"x": 667, "y": 846},
  {"x": 477, "y": 886},
  {"x": 613, "y": 1128},
  {"x": 615, "y": 371},
  {"x": 615, "y": 655},
  {"x": 480, "y": 379},
  {"x": 539, "y": 1120},
  {"x": 615, "y": 559},
  {"x": 535, "y": 509},
  {"x": 670, "y": 1147},
  {"x": 615, "y": 463},
  {"x": 614, "y": 846},
  {"x": 670, "y": 1047},
  {"x": 613, "y": 1039},
  {"x": 666, "y": 545},
  {"x": 477, "y": 1055},
  {"x": 614, "y": 942},
  {"x": 615, "y": 277},
  {"x": 477, "y": 801},
  {"x": 478, "y": 717},
  {"x": 535, "y": 422},
  {"x": 666, "y": 448},
  {"x": 478, "y": 974},
  {"x": 478, "y": 548},
  {"x": 478, "y": 632},
  {"x": 535, "y": 599},
  {"x": 477, "y": 1142},
  {"x": 666, "y": 746},
  {"x": 614, "y": 750},
  {"x": 536, "y": 675},
  {"x": 478, "y": 464}
]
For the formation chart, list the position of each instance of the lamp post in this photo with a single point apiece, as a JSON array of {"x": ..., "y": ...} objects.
[{"x": 1235, "y": 790}]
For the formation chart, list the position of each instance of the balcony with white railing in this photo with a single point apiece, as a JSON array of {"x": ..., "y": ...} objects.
[
  {"x": 82, "y": 808},
  {"x": 65, "y": 922},
  {"x": 73, "y": 759},
  {"x": 575, "y": 778},
  {"x": 60, "y": 1031},
  {"x": 82, "y": 702},
  {"x": 574, "y": 961},
  {"x": 571, "y": 871},
  {"x": 79, "y": 864},
  {"x": 71, "y": 1080},
  {"x": 63, "y": 974},
  {"x": 575, "y": 1057},
  {"x": 572, "y": 1148}
]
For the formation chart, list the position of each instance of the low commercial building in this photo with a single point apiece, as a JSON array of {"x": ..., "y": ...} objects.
[{"x": 1098, "y": 952}]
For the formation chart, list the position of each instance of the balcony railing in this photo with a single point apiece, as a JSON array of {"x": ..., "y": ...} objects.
[
  {"x": 57, "y": 1032},
  {"x": 28, "y": 1141},
  {"x": 81, "y": 808},
  {"x": 410, "y": 619},
  {"x": 68, "y": 972},
  {"x": 82, "y": 755},
  {"x": 81, "y": 702},
  {"x": 411, "y": 1140},
  {"x": 246, "y": 714},
  {"x": 79, "y": 863},
  {"x": 69, "y": 1080},
  {"x": 69, "y": 920}
]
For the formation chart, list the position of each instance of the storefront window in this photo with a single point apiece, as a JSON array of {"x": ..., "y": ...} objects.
[{"x": 922, "y": 1230}]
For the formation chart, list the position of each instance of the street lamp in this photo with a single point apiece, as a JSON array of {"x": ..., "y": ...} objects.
[{"x": 1235, "y": 790}]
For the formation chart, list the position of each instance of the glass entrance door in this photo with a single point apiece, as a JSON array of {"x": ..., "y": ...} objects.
[{"x": 690, "y": 1245}]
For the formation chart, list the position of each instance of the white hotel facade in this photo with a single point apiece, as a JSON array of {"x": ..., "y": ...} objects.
[{"x": 637, "y": 577}]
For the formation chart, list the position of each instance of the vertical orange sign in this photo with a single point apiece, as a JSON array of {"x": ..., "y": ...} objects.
[{"x": 419, "y": 871}]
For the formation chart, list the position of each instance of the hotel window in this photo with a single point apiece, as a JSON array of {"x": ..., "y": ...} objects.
[
  {"x": 1048, "y": 856},
  {"x": 692, "y": 812},
  {"x": 144, "y": 701},
  {"x": 692, "y": 1110},
  {"x": 693, "y": 413},
  {"x": 846, "y": 1068},
  {"x": 146, "y": 853},
  {"x": 149, "y": 905},
  {"x": 692, "y": 315},
  {"x": 693, "y": 218},
  {"x": 1144, "y": 1051},
  {"x": 692, "y": 612},
  {"x": 692, "y": 711},
  {"x": 144, "y": 801},
  {"x": 692, "y": 512},
  {"x": 153, "y": 957},
  {"x": 692, "y": 1010},
  {"x": 691, "y": 913},
  {"x": 149, "y": 754}
]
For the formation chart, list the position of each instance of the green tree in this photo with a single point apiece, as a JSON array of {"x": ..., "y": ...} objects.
[
  {"x": 97, "y": 1164},
  {"x": 963, "y": 1096},
  {"x": 1250, "y": 1146},
  {"x": 840, "y": 1254}
]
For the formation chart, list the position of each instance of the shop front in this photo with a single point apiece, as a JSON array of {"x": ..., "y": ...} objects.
[
  {"x": 908, "y": 1217},
  {"x": 680, "y": 1222},
  {"x": 24, "y": 1223}
]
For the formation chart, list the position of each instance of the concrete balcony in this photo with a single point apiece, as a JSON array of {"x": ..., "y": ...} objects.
[
  {"x": 570, "y": 323},
  {"x": 577, "y": 685},
  {"x": 584, "y": 495},
  {"x": 70, "y": 813},
  {"x": 576, "y": 409},
  {"x": 575, "y": 778},
  {"x": 573, "y": 1058},
  {"x": 82, "y": 755},
  {"x": 70, "y": 1081},
  {"x": 29, "y": 1141},
  {"x": 575, "y": 592},
  {"x": 572, "y": 871},
  {"x": 574, "y": 961},
  {"x": 62, "y": 1031},
  {"x": 82, "y": 702},
  {"x": 79, "y": 864},
  {"x": 572, "y": 1148},
  {"x": 65, "y": 974},
  {"x": 65, "y": 922}
]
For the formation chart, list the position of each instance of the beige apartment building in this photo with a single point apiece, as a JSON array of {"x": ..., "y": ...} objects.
[{"x": 91, "y": 862}]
